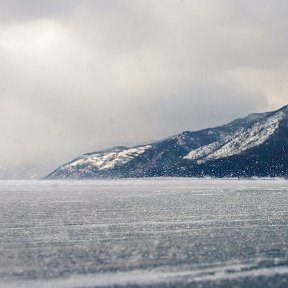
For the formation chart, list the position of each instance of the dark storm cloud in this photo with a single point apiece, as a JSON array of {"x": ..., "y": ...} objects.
[
  {"x": 77, "y": 76},
  {"x": 28, "y": 10},
  {"x": 15, "y": 10}
]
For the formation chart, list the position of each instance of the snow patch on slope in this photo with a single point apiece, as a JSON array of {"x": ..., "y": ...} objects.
[
  {"x": 107, "y": 160},
  {"x": 237, "y": 142}
]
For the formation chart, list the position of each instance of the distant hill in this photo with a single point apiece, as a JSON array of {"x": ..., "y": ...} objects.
[{"x": 256, "y": 145}]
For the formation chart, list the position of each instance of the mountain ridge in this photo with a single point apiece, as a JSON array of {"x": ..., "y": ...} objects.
[{"x": 252, "y": 146}]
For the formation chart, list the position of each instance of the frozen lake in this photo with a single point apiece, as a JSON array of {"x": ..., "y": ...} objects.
[{"x": 144, "y": 233}]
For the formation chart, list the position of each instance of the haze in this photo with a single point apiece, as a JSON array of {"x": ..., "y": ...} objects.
[{"x": 79, "y": 76}]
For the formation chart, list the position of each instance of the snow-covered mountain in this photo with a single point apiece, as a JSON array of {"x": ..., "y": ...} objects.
[{"x": 256, "y": 145}]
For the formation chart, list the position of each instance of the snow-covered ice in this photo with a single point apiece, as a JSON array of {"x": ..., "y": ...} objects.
[{"x": 144, "y": 233}]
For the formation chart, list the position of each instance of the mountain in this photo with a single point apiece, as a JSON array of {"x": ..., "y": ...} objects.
[{"x": 256, "y": 145}]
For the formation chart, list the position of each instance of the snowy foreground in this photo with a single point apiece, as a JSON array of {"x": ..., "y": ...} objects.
[{"x": 144, "y": 233}]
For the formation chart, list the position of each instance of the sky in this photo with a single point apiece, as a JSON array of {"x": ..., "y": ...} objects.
[{"x": 81, "y": 76}]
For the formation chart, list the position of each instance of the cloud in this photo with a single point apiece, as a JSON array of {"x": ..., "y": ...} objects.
[{"x": 78, "y": 76}]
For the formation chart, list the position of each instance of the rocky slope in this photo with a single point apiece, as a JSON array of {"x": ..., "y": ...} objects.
[{"x": 256, "y": 145}]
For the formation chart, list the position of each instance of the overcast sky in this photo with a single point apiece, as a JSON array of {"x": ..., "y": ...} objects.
[{"x": 79, "y": 76}]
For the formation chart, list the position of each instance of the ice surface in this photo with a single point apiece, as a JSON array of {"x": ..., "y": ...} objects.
[{"x": 144, "y": 233}]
